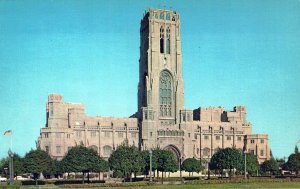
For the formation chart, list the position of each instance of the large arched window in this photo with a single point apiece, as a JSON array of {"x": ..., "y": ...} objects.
[
  {"x": 165, "y": 94},
  {"x": 161, "y": 40}
]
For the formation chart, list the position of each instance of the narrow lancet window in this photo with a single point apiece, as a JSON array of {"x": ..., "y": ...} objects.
[
  {"x": 162, "y": 16},
  {"x": 161, "y": 40},
  {"x": 168, "y": 46}
]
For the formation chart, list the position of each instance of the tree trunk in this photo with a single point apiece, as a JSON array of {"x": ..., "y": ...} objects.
[
  {"x": 157, "y": 174},
  {"x": 162, "y": 177},
  {"x": 82, "y": 177},
  {"x": 88, "y": 177},
  {"x": 130, "y": 177},
  {"x": 35, "y": 178}
]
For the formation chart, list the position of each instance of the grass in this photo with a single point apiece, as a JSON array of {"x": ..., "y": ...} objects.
[{"x": 260, "y": 185}]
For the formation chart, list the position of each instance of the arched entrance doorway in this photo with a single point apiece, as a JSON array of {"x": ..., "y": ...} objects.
[{"x": 175, "y": 151}]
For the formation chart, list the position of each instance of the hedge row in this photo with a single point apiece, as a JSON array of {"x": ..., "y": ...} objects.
[{"x": 125, "y": 184}]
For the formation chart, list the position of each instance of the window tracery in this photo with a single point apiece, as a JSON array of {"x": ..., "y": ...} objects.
[{"x": 165, "y": 94}]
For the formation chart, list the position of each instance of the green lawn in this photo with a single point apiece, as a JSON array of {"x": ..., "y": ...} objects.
[
  {"x": 273, "y": 185},
  {"x": 264, "y": 185},
  {"x": 289, "y": 185}
]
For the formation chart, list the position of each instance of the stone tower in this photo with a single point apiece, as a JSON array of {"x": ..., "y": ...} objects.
[{"x": 160, "y": 88}]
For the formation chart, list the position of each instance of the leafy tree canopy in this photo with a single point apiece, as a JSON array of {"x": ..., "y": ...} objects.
[
  {"x": 17, "y": 162},
  {"x": 192, "y": 165},
  {"x": 252, "y": 164},
  {"x": 166, "y": 161},
  {"x": 227, "y": 158},
  {"x": 38, "y": 161},
  {"x": 270, "y": 166},
  {"x": 296, "y": 150},
  {"x": 126, "y": 160},
  {"x": 82, "y": 159},
  {"x": 293, "y": 163}
]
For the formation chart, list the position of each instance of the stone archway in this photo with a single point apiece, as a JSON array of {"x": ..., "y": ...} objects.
[{"x": 175, "y": 151}]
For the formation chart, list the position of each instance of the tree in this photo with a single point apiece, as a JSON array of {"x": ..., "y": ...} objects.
[
  {"x": 146, "y": 157},
  {"x": 126, "y": 160},
  {"x": 38, "y": 161},
  {"x": 166, "y": 162},
  {"x": 293, "y": 163},
  {"x": 252, "y": 164},
  {"x": 58, "y": 168},
  {"x": 192, "y": 165},
  {"x": 228, "y": 158},
  {"x": 17, "y": 162},
  {"x": 296, "y": 150},
  {"x": 82, "y": 159},
  {"x": 270, "y": 166}
]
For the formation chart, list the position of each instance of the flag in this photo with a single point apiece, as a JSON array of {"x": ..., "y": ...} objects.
[{"x": 8, "y": 132}]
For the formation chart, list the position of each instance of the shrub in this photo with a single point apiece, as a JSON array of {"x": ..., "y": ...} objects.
[{"x": 32, "y": 182}]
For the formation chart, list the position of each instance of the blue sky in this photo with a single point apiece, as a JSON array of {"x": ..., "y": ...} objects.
[{"x": 234, "y": 53}]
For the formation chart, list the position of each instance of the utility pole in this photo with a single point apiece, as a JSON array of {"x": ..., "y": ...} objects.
[{"x": 245, "y": 152}]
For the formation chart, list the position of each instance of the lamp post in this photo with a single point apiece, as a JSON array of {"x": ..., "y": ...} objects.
[
  {"x": 208, "y": 170},
  {"x": 150, "y": 152},
  {"x": 245, "y": 152},
  {"x": 180, "y": 159},
  {"x": 199, "y": 146},
  {"x": 11, "y": 166}
]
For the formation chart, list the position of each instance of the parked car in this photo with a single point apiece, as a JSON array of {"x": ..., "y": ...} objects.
[
  {"x": 20, "y": 178},
  {"x": 3, "y": 179}
]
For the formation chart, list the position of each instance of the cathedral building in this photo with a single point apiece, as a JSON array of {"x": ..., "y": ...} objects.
[{"x": 161, "y": 119}]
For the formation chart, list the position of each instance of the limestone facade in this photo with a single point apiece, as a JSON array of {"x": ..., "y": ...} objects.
[{"x": 161, "y": 119}]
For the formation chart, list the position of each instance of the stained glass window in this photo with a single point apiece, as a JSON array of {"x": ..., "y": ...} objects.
[{"x": 165, "y": 94}]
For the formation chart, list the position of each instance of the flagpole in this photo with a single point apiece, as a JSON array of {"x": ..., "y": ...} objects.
[{"x": 11, "y": 142}]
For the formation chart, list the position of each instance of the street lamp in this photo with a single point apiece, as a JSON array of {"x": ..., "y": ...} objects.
[
  {"x": 245, "y": 152},
  {"x": 150, "y": 152},
  {"x": 208, "y": 170},
  {"x": 200, "y": 157},
  {"x": 180, "y": 159}
]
